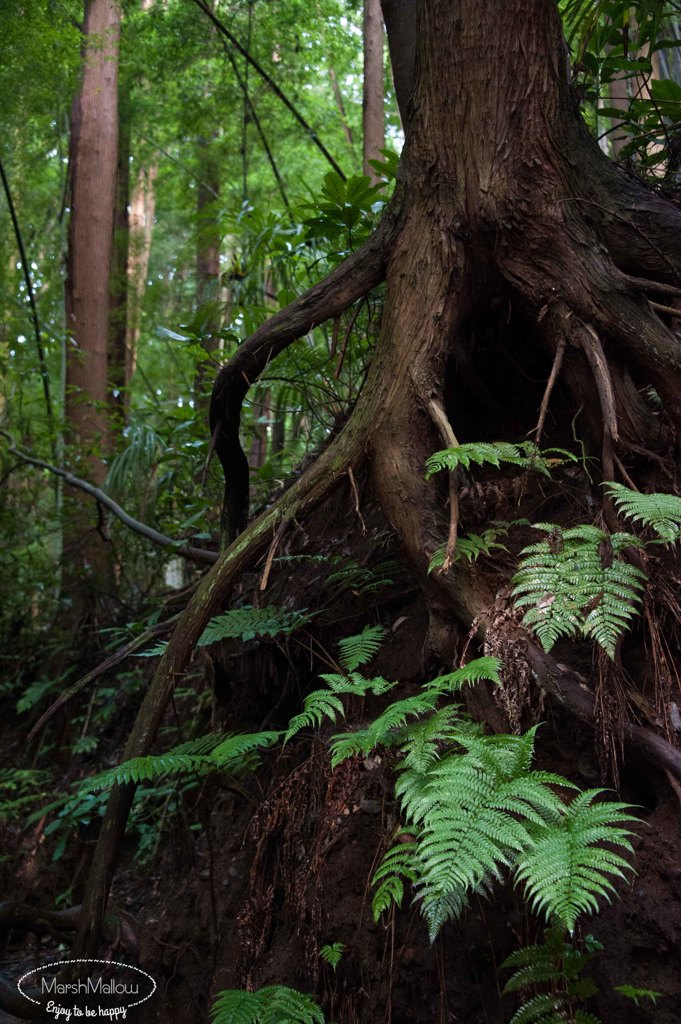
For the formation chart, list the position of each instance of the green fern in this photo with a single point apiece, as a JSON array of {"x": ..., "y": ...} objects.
[
  {"x": 361, "y": 579},
  {"x": 323, "y": 704},
  {"x": 360, "y": 649},
  {"x": 219, "y": 752},
  {"x": 471, "y": 547},
  {"x": 477, "y": 810},
  {"x": 525, "y": 454},
  {"x": 275, "y": 1004},
  {"x": 556, "y": 965},
  {"x": 567, "y": 869},
  {"x": 332, "y": 953},
  {"x": 248, "y": 623},
  {"x": 576, "y": 582},
  {"x": 244, "y": 624},
  {"x": 661, "y": 512}
]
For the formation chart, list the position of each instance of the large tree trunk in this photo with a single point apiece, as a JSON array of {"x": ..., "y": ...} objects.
[
  {"x": 93, "y": 163},
  {"x": 502, "y": 200}
]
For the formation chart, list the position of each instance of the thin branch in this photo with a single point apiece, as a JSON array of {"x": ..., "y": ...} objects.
[
  {"x": 182, "y": 550},
  {"x": 90, "y": 677},
  {"x": 659, "y": 308},
  {"x": 263, "y": 138},
  {"x": 652, "y": 286},
  {"x": 272, "y": 84},
  {"x": 42, "y": 363}
]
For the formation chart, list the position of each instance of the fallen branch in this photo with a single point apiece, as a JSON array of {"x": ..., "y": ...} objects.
[{"x": 181, "y": 550}]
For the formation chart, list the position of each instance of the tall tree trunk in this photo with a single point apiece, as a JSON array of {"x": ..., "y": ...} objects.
[
  {"x": 140, "y": 232},
  {"x": 93, "y": 163},
  {"x": 118, "y": 361},
  {"x": 373, "y": 119}
]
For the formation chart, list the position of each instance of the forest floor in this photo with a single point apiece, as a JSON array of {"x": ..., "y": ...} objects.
[{"x": 283, "y": 862}]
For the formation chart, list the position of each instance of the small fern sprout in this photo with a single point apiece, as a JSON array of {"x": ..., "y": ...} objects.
[{"x": 332, "y": 954}]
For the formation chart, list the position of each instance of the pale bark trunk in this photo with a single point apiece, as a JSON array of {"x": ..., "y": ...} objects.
[{"x": 373, "y": 121}]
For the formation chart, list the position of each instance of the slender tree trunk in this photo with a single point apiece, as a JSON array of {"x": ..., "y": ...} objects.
[
  {"x": 373, "y": 120},
  {"x": 141, "y": 227},
  {"x": 208, "y": 298}
]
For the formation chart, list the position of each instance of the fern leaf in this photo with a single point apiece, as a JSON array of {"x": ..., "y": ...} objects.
[
  {"x": 573, "y": 582},
  {"x": 228, "y": 753},
  {"x": 247, "y": 623},
  {"x": 486, "y": 668},
  {"x": 236, "y": 1006},
  {"x": 360, "y": 649},
  {"x": 566, "y": 870},
  {"x": 482, "y": 453},
  {"x": 275, "y": 1004},
  {"x": 661, "y": 512}
]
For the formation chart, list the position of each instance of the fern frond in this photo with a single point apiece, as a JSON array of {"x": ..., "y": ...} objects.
[
  {"x": 475, "y": 671},
  {"x": 327, "y": 704},
  {"x": 397, "y": 865},
  {"x": 567, "y": 869},
  {"x": 228, "y": 753},
  {"x": 360, "y": 649},
  {"x": 275, "y": 1004},
  {"x": 525, "y": 454},
  {"x": 661, "y": 512},
  {"x": 541, "y": 1009},
  {"x": 573, "y": 582},
  {"x": 246, "y": 623},
  {"x": 332, "y": 953}
]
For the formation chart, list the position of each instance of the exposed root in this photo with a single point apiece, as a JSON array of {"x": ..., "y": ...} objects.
[
  {"x": 550, "y": 384},
  {"x": 439, "y": 418}
]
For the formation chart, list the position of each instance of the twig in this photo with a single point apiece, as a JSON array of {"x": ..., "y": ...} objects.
[
  {"x": 279, "y": 533},
  {"x": 593, "y": 350},
  {"x": 272, "y": 84},
  {"x": 114, "y": 659},
  {"x": 652, "y": 286},
  {"x": 346, "y": 339},
  {"x": 550, "y": 384},
  {"x": 42, "y": 363},
  {"x": 665, "y": 309},
  {"x": 263, "y": 138},
  {"x": 182, "y": 550}
]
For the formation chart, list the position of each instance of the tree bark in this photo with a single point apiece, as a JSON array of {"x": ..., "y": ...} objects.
[
  {"x": 373, "y": 127},
  {"x": 93, "y": 163}
]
